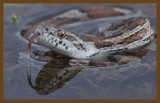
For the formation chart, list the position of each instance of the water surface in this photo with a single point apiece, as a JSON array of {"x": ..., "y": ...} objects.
[{"x": 135, "y": 80}]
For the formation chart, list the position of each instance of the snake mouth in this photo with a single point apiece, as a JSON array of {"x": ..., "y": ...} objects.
[{"x": 31, "y": 41}]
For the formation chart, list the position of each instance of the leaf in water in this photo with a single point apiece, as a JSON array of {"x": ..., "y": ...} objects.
[{"x": 14, "y": 18}]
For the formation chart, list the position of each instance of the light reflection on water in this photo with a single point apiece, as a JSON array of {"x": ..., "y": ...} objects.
[{"x": 135, "y": 80}]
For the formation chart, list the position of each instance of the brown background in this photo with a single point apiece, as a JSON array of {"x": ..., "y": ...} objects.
[{"x": 80, "y": 1}]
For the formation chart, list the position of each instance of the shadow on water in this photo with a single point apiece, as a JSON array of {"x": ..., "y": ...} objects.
[{"x": 58, "y": 80}]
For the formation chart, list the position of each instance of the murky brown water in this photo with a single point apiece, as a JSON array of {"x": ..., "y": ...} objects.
[{"x": 135, "y": 80}]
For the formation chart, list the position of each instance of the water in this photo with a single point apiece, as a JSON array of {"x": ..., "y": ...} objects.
[{"x": 135, "y": 80}]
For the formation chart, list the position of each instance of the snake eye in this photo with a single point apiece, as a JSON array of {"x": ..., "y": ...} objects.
[{"x": 61, "y": 33}]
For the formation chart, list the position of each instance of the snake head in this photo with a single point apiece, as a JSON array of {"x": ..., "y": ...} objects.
[{"x": 62, "y": 42}]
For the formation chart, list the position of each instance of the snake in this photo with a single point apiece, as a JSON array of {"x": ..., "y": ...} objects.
[
  {"x": 115, "y": 42},
  {"x": 129, "y": 36}
]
